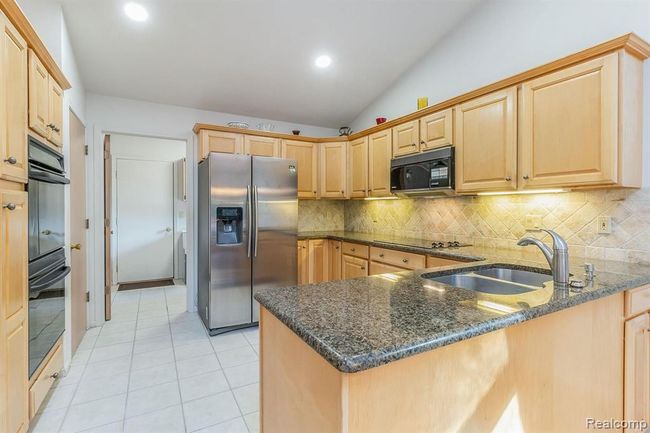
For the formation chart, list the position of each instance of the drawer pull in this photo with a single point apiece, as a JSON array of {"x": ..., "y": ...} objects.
[
  {"x": 55, "y": 375},
  {"x": 11, "y": 160},
  {"x": 363, "y": 268},
  {"x": 10, "y": 206},
  {"x": 381, "y": 255},
  {"x": 353, "y": 249},
  {"x": 405, "y": 260}
]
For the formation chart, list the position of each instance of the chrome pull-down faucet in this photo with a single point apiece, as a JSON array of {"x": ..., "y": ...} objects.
[{"x": 557, "y": 258}]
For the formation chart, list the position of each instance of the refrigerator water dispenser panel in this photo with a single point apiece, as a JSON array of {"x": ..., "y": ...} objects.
[{"x": 229, "y": 225}]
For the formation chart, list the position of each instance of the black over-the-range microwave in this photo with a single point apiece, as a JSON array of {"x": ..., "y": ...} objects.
[{"x": 427, "y": 173}]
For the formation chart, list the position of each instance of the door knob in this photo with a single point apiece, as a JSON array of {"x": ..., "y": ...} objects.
[
  {"x": 11, "y": 160},
  {"x": 75, "y": 246}
]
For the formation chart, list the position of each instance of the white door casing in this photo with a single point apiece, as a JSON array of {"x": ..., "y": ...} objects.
[{"x": 144, "y": 220}]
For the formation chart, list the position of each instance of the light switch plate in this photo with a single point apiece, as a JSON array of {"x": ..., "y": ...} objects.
[
  {"x": 533, "y": 223},
  {"x": 604, "y": 225}
]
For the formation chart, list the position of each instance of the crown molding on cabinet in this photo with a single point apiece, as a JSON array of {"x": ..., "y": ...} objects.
[
  {"x": 16, "y": 16},
  {"x": 629, "y": 42}
]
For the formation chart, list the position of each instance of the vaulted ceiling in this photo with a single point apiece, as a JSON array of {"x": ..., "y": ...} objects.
[{"x": 256, "y": 58}]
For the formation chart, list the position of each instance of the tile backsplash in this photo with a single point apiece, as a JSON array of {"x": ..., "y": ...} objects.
[
  {"x": 500, "y": 221},
  {"x": 318, "y": 215}
]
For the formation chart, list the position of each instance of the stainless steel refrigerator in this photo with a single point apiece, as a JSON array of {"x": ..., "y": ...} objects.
[{"x": 247, "y": 223}]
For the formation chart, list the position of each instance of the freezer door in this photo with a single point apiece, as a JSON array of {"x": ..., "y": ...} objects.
[
  {"x": 230, "y": 261},
  {"x": 276, "y": 216}
]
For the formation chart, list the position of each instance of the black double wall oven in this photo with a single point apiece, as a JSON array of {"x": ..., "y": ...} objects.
[{"x": 47, "y": 262}]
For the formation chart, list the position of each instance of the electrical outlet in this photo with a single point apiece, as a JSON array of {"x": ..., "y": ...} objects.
[
  {"x": 533, "y": 223},
  {"x": 604, "y": 225}
]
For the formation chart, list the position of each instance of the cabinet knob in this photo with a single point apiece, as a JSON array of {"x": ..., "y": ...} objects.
[
  {"x": 336, "y": 247},
  {"x": 11, "y": 160},
  {"x": 9, "y": 206},
  {"x": 508, "y": 178},
  {"x": 342, "y": 192},
  {"x": 314, "y": 192},
  {"x": 423, "y": 142},
  {"x": 526, "y": 177},
  {"x": 405, "y": 260},
  {"x": 363, "y": 268},
  {"x": 54, "y": 375},
  {"x": 381, "y": 255},
  {"x": 50, "y": 125},
  {"x": 413, "y": 144},
  {"x": 353, "y": 249}
]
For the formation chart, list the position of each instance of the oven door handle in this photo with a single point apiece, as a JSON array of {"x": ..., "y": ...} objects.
[
  {"x": 47, "y": 177},
  {"x": 48, "y": 279}
]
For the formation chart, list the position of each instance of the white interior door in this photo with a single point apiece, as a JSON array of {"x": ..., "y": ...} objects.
[{"x": 144, "y": 220}]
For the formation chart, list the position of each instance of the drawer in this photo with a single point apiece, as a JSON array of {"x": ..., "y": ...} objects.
[
  {"x": 357, "y": 250},
  {"x": 377, "y": 268},
  {"x": 436, "y": 262},
  {"x": 45, "y": 380},
  {"x": 397, "y": 258},
  {"x": 637, "y": 301}
]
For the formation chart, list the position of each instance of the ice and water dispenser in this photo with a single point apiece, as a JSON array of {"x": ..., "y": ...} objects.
[{"x": 229, "y": 225}]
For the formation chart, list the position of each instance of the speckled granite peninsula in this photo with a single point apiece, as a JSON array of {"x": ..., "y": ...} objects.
[{"x": 362, "y": 323}]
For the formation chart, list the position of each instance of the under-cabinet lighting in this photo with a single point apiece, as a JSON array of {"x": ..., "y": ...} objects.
[
  {"x": 527, "y": 191},
  {"x": 381, "y": 198}
]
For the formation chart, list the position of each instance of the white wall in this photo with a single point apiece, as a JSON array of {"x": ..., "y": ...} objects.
[{"x": 151, "y": 149}]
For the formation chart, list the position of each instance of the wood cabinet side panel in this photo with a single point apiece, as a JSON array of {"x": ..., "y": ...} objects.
[{"x": 637, "y": 369}]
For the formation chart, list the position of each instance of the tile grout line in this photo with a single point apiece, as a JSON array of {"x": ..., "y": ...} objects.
[{"x": 128, "y": 383}]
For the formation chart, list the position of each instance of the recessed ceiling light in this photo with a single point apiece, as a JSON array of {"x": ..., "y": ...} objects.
[
  {"x": 136, "y": 12},
  {"x": 323, "y": 61}
]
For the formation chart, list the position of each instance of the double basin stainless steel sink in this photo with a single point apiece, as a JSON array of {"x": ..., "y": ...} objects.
[{"x": 496, "y": 280}]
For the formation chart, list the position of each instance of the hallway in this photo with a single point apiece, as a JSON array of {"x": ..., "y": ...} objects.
[{"x": 154, "y": 369}]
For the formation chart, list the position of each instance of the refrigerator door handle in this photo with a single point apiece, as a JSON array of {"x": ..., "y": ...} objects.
[
  {"x": 256, "y": 201},
  {"x": 250, "y": 219}
]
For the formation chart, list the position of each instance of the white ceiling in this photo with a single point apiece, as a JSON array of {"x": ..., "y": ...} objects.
[{"x": 255, "y": 58}]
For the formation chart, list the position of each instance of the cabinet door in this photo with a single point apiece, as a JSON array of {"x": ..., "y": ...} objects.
[
  {"x": 334, "y": 260},
  {"x": 303, "y": 262},
  {"x": 436, "y": 130},
  {"x": 306, "y": 156},
  {"x": 222, "y": 142},
  {"x": 637, "y": 368},
  {"x": 379, "y": 155},
  {"x": 39, "y": 91},
  {"x": 486, "y": 142},
  {"x": 333, "y": 162},
  {"x": 261, "y": 146},
  {"x": 569, "y": 126},
  {"x": 13, "y": 311},
  {"x": 406, "y": 138},
  {"x": 358, "y": 168},
  {"x": 55, "y": 113},
  {"x": 353, "y": 267},
  {"x": 13, "y": 104},
  {"x": 377, "y": 268},
  {"x": 318, "y": 256}
]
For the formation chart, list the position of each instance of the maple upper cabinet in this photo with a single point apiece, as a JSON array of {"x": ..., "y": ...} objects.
[
  {"x": 637, "y": 368},
  {"x": 406, "y": 138},
  {"x": 261, "y": 146},
  {"x": 486, "y": 142},
  {"x": 218, "y": 141},
  {"x": 14, "y": 361},
  {"x": 358, "y": 168},
  {"x": 379, "y": 155},
  {"x": 13, "y": 104},
  {"x": 436, "y": 130},
  {"x": 306, "y": 156},
  {"x": 579, "y": 125},
  {"x": 333, "y": 170},
  {"x": 45, "y": 102}
]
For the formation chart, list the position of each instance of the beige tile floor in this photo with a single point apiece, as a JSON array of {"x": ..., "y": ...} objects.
[{"x": 154, "y": 369}]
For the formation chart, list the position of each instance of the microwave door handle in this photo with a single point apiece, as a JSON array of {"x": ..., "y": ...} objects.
[{"x": 249, "y": 210}]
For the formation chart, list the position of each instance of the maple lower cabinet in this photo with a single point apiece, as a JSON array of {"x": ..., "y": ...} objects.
[
  {"x": 486, "y": 142},
  {"x": 14, "y": 407},
  {"x": 570, "y": 125},
  {"x": 353, "y": 267},
  {"x": 358, "y": 168},
  {"x": 13, "y": 104},
  {"x": 334, "y": 260},
  {"x": 318, "y": 260},
  {"x": 45, "y": 102},
  {"x": 380, "y": 152},
  {"x": 303, "y": 262},
  {"x": 637, "y": 369},
  {"x": 377, "y": 268},
  {"x": 306, "y": 156},
  {"x": 218, "y": 141},
  {"x": 333, "y": 170},
  {"x": 261, "y": 146},
  {"x": 406, "y": 138},
  {"x": 436, "y": 130}
]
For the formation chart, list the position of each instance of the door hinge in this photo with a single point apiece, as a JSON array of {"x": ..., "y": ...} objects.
[
  {"x": 107, "y": 155},
  {"x": 87, "y": 223},
  {"x": 87, "y": 296},
  {"x": 86, "y": 149}
]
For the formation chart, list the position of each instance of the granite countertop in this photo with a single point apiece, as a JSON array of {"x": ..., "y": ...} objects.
[{"x": 366, "y": 322}]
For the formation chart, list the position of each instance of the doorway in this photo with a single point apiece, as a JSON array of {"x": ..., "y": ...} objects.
[{"x": 145, "y": 213}]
